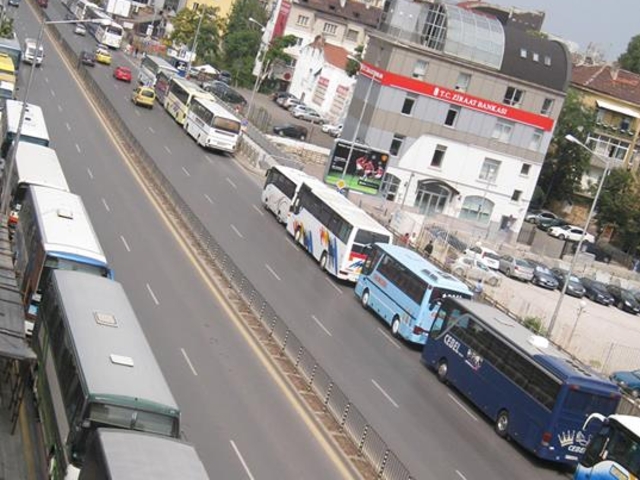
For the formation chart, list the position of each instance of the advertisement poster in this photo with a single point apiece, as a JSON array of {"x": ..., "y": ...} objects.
[{"x": 356, "y": 167}]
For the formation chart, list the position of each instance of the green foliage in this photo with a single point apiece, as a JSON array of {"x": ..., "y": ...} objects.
[
  {"x": 185, "y": 26},
  {"x": 6, "y": 27},
  {"x": 276, "y": 54},
  {"x": 566, "y": 162},
  {"x": 617, "y": 207},
  {"x": 534, "y": 324},
  {"x": 353, "y": 67},
  {"x": 630, "y": 60}
]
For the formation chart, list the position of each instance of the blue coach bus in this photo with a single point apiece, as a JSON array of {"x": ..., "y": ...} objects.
[
  {"x": 614, "y": 452},
  {"x": 405, "y": 290},
  {"x": 535, "y": 394}
]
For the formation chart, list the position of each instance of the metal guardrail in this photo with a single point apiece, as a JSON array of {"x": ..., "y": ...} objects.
[{"x": 367, "y": 442}]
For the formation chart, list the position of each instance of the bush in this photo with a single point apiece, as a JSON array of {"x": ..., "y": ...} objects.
[{"x": 534, "y": 324}]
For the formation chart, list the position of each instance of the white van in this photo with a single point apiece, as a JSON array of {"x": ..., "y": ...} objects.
[{"x": 29, "y": 52}]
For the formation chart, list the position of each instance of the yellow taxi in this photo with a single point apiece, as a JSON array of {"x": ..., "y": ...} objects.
[
  {"x": 144, "y": 96},
  {"x": 103, "y": 56}
]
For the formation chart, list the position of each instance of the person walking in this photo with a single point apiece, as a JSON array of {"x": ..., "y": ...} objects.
[
  {"x": 428, "y": 249},
  {"x": 477, "y": 290}
]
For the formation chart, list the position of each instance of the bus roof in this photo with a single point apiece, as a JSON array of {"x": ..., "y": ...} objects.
[
  {"x": 33, "y": 125},
  {"x": 423, "y": 268},
  {"x": 106, "y": 335},
  {"x": 132, "y": 455},
  {"x": 629, "y": 422},
  {"x": 539, "y": 349},
  {"x": 347, "y": 210},
  {"x": 218, "y": 110},
  {"x": 39, "y": 165},
  {"x": 160, "y": 62},
  {"x": 191, "y": 87},
  {"x": 65, "y": 225}
]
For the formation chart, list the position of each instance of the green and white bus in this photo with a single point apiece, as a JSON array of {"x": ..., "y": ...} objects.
[{"x": 181, "y": 93}]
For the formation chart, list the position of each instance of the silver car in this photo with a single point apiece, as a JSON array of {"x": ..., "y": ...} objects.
[
  {"x": 475, "y": 269},
  {"x": 303, "y": 112},
  {"x": 516, "y": 268}
]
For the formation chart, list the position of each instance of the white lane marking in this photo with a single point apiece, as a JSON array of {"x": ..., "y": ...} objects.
[
  {"x": 208, "y": 198},
  {"x": 186, "y": 172},
  {"x": 126, "y": 245},
  {"x": 459, "y": 473},
  {"x": 390, "y": 338},
  {"x": 59, "y": 108},
  {"x": 66, "y": 124},
  {"x": 167, "y": 149},
  {"x": 233, "y": 227},
  {"x": 465, "y": 409},
  {"x": 231, "y": 182},
  {"x": 90, "y": 173},
  {"x": 53, "y": 94},
  {"x": 78, "y": 148},
  {"x": 257, "y": 209},
  {"x": 152, "y": 130},
  {"x": 186, "y": 357},
  {"x": 104, "y": 202},
  {"x": 46, "y": 79},
  {"x": 388, "y": 397},
  {"x": 153, "y": 295},
  {"x": 208, "y": 158},
  {"x": 244, "y": 464},
  {"x": 333, "y": 285},
  {"x": 137, "y": 112},
  {"x": 272, "y": 272},
  {"x": 292, "y": 243},
  {"x": 315, "y": 319}
]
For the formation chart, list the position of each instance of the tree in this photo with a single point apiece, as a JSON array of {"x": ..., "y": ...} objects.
[
  {"x": 630, "y": 60},
  {"x": 353, "y": 66},
  {"x": 275, "y": 54},
  {"x": 566, "y": 162},
  {"x": 617, "y": 207},
  {"x": 185, "y": 25},
  {"x": 242, "y": 40}
]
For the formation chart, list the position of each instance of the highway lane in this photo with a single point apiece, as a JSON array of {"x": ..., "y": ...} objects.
[
  {"x": 431, "y": 429},
  {"x": 240, "y": 421}
]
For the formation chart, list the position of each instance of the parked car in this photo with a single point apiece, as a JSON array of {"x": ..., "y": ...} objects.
[
  {"x": 543, "y": 276},
  {"x": 280, "y": 97},
  {"x": 292, "y": 131},
  {"x": 80, "y": 29},
  {"x": 473, "y": 268},
  {"x": 224, "y": 92},
  {"x": 225, "y": 77},
  {"x": 303, "y": 112},
  {"x": 534, "y": 216},
  {"x": 624, "y": 299},
  {"x": 488, "y": 256},
  {"x": 103, "y": 56},
  {"x": 332, "y": 130},
  {"x": 546, "y": 223},
  {"x": 574, "y": 287},
  {"x": 571, "y": 233},
  {"x": 597, "y": 291},
  {"x": 144, "y": 96},
  {"x": 628, "y": 381},
  {"x": 122, "y": 73},
  {"x": 289, "y": 102},
  {"x": 516, "y": 268},
  {"x": 87, "y": 58}
]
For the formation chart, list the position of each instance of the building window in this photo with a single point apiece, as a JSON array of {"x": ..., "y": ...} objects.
[
  {"x": 608, "y": 146},
  {"x": 477, "y": 208},
  {"x": 536, "y": 140},
  {"x": 515, "y": 197},
  {"x": 438, "y": 156},
  {"x": 396, "y": 144},
  {"x": 502, "y": 131},
  {"x": 389, "y": 186},
  {"x": 302, "y": 21},
  {"x": 547, "y": 60},
  {"x": 526, "y": 168},
  {"x": 523, "y": 53},
  {"x": 489, "y": 170},
  {"x": 330, "y": 29},
  {"x": 513, "y": 96},
  {"x": 462, "y": 84},
  {"x": 420, "y": 69},
  {"x": 547, "y": 106},
  {"x": 625, "y": 124},
  {"x": 452, "y": 116},
  {"x": 536, "y": 57},
  {"x": 409, "y": 102},
  {"x": 352, "y": 35}
]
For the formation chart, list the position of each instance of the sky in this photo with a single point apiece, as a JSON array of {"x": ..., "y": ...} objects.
[{"x": 610, "y": 24}]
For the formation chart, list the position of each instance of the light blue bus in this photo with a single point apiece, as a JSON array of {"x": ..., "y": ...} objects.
[
  {"x": 405, "y": 290},
  {"x": 614, "y": 452}
]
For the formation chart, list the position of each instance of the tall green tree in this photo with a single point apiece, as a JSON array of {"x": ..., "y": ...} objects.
[
  {"x": 276, "y": 54},
  {"x": 353, "y": 65},
  {"x": 185, "y": 25},
  {"x": 617, "y": 207},
  {"x": 566, "y": 162},
  {"x": 242, "y": 40},
  {"x": 630, "y": 60}
]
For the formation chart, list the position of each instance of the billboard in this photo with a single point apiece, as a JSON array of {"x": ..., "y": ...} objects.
[{"x": 356, "y": 167}]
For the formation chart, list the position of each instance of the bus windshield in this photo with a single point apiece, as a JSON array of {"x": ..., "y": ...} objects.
[
  {"x": 131, "y": 419},
  {"x": 226, "y": 124},
  {"x": 58, "y": 263}
]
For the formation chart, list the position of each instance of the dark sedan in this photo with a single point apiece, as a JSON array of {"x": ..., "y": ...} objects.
[
  {"x": 87, "y": 58},
  {"x": 597, "y": 291},
  {"x": 542, "y": 276},
  {"x": 624, "y": 299},
  {"x": 545, "y": 224},
  {"x": 292, "y": 131},
  {"x": 574, "y": 287}
]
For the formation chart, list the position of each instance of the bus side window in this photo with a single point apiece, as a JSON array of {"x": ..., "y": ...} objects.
[{"x": 438, "y": 324}]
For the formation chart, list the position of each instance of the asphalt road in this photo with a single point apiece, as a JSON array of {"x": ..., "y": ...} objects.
[
  {"x": 433, "y": 431},
  {"x": 240, "y": 421}
]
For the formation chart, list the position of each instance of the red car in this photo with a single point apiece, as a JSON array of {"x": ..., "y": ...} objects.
[{"x": 122, "y": 73}]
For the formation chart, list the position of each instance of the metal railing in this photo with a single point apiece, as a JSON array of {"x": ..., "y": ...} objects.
[{"x": 367, "y": 442}]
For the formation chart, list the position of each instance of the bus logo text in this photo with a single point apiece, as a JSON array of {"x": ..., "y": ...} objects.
[{"x": 452, "y": 343}]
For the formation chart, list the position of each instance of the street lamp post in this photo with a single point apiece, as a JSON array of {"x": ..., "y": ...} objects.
[
  {"x": 607, "y": 163},
  {"x": 194, "y": 45},
  {"x": 4, "y": 204},
  {"x": 259, "y": 73}
]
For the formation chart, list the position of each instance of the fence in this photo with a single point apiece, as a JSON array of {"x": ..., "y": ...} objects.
[{"x": 368, "y": 443}]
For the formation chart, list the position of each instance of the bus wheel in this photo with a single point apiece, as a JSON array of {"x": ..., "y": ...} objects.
[
  {"x": 364, "y": 301},
  {"x": 395, "y": 326},
  {"x": 442, "y": 371},
  {"x": 323, "y": 261},
  {"x": 502, "y": 424}
]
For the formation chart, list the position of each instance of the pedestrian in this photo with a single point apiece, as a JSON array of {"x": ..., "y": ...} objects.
[
  {"x": 477, "y": 290},
  {"x": 404, "y": 240},
  {"x": 428, "y": 249},
  {"x": 135, "y": 52}
]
